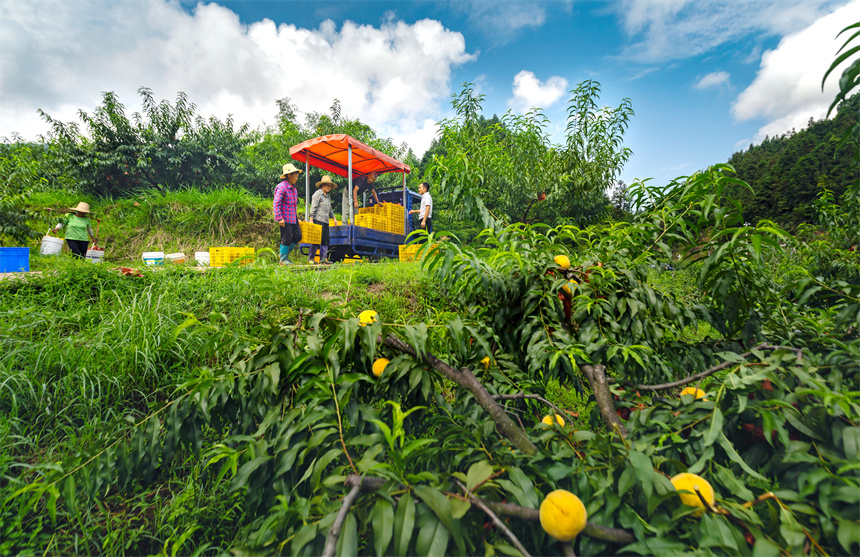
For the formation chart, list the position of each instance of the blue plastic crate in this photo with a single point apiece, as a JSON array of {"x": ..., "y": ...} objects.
[{"x": 14, "y": 260}]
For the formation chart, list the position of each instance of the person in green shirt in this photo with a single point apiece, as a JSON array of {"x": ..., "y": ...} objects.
[{"x": 78, "y": 229}]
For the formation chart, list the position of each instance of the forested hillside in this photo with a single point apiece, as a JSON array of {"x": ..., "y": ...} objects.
[{"x": 788, "y": 172}]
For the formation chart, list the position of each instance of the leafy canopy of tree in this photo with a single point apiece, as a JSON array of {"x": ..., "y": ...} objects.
[
  {"x": 510, "y": 172},
  {"x": 167, "y": 147},
  {"x": 25, "y": 168}
]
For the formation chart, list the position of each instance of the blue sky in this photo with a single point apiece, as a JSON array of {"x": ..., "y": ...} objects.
[{"x": 706, "y": 78}]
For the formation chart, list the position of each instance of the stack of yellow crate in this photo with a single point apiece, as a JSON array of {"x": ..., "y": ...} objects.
[
  {"x": 387, "y": 217},
  {"x": 375, "y": 222},
  {"x": 219, "y": 257},
  {"x": 311, "y": 233}
]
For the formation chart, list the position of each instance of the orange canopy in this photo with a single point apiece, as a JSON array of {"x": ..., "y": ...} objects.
[{"x": 330, "y": 153}]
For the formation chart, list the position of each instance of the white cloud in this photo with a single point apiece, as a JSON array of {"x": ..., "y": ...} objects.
[
  {"x": 61, "y": 56},
  {"x": 501, "y": 21},
  {"x": 530, "y": 92},
  {"x": 419, "y": 138},
  {"x": 713, "y": 79},
  {"x": 673, "y": 30},
  {"x": 787, "y": 89}
]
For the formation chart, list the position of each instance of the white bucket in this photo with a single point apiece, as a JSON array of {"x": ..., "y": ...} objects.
[
  {"x": 177, "y": 257},
  {"x": 202, "y": 258},
  {"x": 153, "y": 257},
  {"x": 51, "y": 245},
  {"x": 96, "y": 255}
]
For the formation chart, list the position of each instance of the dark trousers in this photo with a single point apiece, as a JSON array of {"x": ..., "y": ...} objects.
[
  {"x": 429, "y": 227},
  {"x": 78, "y": 247},
  {"x": 291, "y": 233}
]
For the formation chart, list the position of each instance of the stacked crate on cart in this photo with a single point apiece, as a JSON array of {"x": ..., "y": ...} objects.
[{"x": 387, "y": 217}]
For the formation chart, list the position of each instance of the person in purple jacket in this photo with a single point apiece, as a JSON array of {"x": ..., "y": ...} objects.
[{"x": 284, "y": 206}]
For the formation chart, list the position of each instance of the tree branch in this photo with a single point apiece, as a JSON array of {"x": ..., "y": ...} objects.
[
  {"x": 468, "y": 381},
  {"x": 499, "y": 524},
  {"x": 605, "y": 533},
  {"x": 334, "y": 533},
  {"x": 597, "y": 379},
  {"x": 716, "y": 368},
  {"x": 522, "y": 395}
]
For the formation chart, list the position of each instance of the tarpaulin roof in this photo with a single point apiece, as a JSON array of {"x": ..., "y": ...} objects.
[{"x": 330, "y": 153}]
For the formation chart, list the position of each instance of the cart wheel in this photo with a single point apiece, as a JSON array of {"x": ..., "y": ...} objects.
[{"x": 336, "y": 254}]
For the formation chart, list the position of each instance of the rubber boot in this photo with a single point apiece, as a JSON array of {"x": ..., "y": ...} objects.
[
  {"x": 324, "y": 254},
  {"x": 285, "y": 254},
  {"x": 313, "y": 251}
]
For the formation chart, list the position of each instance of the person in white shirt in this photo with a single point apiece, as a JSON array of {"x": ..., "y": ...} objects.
[{"x": 425, "y": 212}]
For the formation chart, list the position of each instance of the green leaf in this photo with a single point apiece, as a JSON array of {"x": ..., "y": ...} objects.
[
  {"x": 438, "y": 503},
  {"x": 715, "y": 429},
  {"x": 851, "y": 442},
  {"x": 848, "y": 534},
  {"x": 432, "y": 538},
  {"x": 404, "y": 520},
  {"x": 273, "y": 372},
  {"x": 733, "y": 454},
  {"x": 705, "y": 459},
  {"x": 241, "y": 478},
  {"x": 303, "y": 536},
  {"x": 459, "y": 508},
  {"x": 478, "y": 473},
  {"x": 382, "y": 520},
  {"x": 735, "y": 486},
  {"x": 347, "y": 542},
  {"x": 529, "y": 497},
  {"x": 643, "y": 469}
]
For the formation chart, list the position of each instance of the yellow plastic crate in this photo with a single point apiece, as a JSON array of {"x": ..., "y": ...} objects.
[
  {"x": 392, "y": 211},
  {"x": 396, "y": 225},
  {"x": 374, "y": 210},
  {"x": 377, "y": 222},
  {"x": 219, "y": 257},
  {"x": 311, "y": 233},
  {"x": 371, "y": 221},
  {"x": 347, "y": 260},
  {"x": 410, "y": 252}
]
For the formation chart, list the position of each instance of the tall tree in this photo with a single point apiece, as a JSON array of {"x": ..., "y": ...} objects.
[
  {"x": 168, "y": 146},
  {"x": 511, "y": 172}
]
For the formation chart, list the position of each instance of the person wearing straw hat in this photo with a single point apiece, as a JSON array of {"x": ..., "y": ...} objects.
[
  {"x": 78, "y": 229},
  {"x": 320, "y": 213},
  {"x": 284, "y": 207}
]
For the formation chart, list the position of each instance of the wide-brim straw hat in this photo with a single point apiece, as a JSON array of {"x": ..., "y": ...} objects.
[
  {"x": 290, "y": 168},
  {"x": 81, "y": 208},
  {"x": 326, "y": 181}
]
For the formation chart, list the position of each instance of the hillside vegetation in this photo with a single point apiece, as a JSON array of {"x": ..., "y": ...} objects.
[
  {"x": 788, "y": 173},
  {"x": 681, "y": 381}
]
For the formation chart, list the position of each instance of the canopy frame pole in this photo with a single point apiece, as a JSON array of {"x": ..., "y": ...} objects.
[
  {"x": 349, "y": 178},
  {"x": 405, "y": 211},
  {"x": 307, "y": 187}
]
